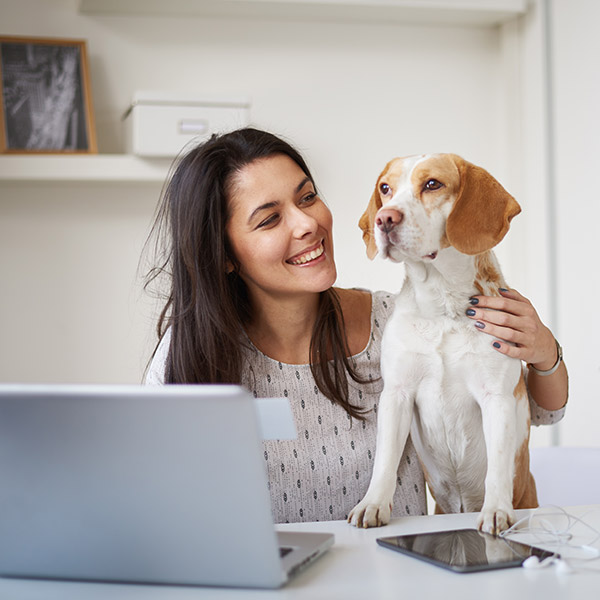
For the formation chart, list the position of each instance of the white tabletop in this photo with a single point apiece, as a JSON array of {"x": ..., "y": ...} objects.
[{"x": 356, "y": 567}]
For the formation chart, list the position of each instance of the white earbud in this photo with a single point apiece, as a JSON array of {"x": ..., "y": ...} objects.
[
  {"x": 538, "y": 525},
  {"x": 533, "y": 562}
]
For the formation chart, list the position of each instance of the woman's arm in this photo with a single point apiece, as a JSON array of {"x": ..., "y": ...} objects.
[{"x": 513, "y": 319}]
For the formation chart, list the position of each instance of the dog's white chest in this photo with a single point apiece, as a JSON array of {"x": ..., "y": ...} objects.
[
  {"x": 450, "y": 371},
  {"x": 430, "y": 340}
]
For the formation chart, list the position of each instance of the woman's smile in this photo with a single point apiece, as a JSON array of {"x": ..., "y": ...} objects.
[{"x": 308, "y": 256}]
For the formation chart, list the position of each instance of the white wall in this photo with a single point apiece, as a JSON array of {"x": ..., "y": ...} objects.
[
  {"x": 576, "y": 47},
  {"x": 350, "y": 96},
  {"x": 71, "y": 307}
]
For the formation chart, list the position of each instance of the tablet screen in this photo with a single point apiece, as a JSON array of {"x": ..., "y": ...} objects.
[{"x": 463, "y": 550}]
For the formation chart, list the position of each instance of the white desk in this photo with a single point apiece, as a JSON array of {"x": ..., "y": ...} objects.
[{"x": 356, "y": 567}]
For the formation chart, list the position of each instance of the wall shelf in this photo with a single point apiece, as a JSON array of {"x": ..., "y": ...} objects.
[
  {"x": 123, "y": 168},
  {"x": 447, "y": 12},
  {"x": 107, "y": 168}
]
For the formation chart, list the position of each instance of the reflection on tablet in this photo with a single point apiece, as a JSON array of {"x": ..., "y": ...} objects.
[{"x": 463, "y": 550}]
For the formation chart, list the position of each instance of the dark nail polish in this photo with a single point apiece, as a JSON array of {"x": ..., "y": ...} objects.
[
  {"x": 503, "y": 289},
  {"x": 473, "y": 300},
  {"x": 479, "y": 324},
  {"x": 496, "y": 344},
  {"x": 470, "y": 312}
]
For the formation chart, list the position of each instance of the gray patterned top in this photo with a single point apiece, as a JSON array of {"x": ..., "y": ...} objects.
[{"x": 325, "y": 472}]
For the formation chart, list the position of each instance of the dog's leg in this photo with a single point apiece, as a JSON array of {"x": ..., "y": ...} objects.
[
  {"x": 393, "y": 425},
  {"x": 499, "y": 428}
]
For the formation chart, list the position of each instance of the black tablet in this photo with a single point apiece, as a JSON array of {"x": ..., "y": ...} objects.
[{"x": 463, "y": 550}]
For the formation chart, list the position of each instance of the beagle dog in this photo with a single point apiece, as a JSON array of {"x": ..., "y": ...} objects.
[{"x": 465, "y": 405}]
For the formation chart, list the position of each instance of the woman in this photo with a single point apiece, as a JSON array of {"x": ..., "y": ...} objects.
[{"x": 251, "y": 268}]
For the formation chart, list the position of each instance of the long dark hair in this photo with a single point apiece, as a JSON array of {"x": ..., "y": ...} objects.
[{"x": 207, "y": 302}]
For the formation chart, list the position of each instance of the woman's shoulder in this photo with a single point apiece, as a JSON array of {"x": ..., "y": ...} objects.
[
  {"x": 356, "y": 309},
  {"x": 354, "y": 301},
  {"x": 365, "y": 314},
  {"x": 359, "y": 301}
]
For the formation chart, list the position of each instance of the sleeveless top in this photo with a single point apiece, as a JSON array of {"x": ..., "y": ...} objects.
[{"x": 325, "y": 472}]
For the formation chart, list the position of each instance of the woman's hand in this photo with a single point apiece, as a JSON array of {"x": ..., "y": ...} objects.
[
  {"x": 513, "y": 319},
  {"x": 519, "y": 332}
]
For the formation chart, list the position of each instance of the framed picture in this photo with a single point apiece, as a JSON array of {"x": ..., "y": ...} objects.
[{"x": 45, "y": 96}]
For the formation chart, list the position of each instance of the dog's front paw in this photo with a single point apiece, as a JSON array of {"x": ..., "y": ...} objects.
[
  {"x": 370, "y": 514},
  {"x": 495, "y": 520}
]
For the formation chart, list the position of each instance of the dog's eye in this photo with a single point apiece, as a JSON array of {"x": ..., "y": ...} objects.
[
  {"x": 384, "y": 188},
  {"x": 433, "y": 184}
]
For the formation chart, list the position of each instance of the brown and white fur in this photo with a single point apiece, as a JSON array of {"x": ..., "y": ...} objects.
[{"x": 464, "y": 403}]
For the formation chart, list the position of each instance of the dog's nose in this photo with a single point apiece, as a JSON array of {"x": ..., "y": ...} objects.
[{"x": 388, "y": 218}]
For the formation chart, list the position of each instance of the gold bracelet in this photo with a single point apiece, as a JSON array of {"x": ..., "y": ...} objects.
[{"x": 552, "y": 369}]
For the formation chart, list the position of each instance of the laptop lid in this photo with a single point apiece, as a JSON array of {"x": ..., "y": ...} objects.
[{"x": 135, "y": 483}]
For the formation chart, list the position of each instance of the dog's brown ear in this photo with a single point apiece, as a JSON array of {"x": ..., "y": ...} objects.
[
  {"x": 367, "y": 223},
  {"x": 482, "y": 212}
]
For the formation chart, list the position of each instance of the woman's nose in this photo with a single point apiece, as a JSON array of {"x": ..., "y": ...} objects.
[{"x": 303, "y": 223}]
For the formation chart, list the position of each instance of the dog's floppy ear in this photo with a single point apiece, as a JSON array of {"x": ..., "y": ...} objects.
[
  {"x": 367, "y": 223},
  {"x": 482, "y": 212}
]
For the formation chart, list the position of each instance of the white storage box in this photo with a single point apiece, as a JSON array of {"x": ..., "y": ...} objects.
[{"x": 159, "y": 124}]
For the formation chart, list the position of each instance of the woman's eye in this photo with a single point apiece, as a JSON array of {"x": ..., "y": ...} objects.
[
  {"x": 309, "y": 198},
  {"x": 433, "y": 184},
  {"x": 384, "y": 188},
  {"x": 268, "y": 221}
]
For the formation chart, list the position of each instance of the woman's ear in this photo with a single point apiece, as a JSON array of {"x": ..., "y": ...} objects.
[
  {"x": 230, "y": 262},
  {"x": 482, "y": 212},
  {"x": 367, "y": 223}
]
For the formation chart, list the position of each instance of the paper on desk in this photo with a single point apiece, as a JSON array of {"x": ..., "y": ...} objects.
[{"x": 275, "y": 419}]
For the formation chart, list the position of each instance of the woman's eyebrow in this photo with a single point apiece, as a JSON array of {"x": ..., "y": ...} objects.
[
  {"x": 265, "y": 206},
  {"x": 302, "y": 183}
]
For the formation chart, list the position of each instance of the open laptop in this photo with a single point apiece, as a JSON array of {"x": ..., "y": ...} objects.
[{"x": 144, "y": 484}]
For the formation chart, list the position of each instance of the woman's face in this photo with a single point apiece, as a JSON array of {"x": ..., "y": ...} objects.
[{"x": 279, "y": 229}]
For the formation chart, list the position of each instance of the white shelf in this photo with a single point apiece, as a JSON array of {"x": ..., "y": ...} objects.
[
  {"x": 107, "y": 168},
  {"x": 115, "y": 168},
  {"x": 449, "y": 12}
]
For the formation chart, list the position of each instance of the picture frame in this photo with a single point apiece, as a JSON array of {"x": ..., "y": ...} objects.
[{"x": 45, "y": 97}]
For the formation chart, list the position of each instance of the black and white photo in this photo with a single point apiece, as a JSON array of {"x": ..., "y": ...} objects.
[{"x": 45, "y": 102}]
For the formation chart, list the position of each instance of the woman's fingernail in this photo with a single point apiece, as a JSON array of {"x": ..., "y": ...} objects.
[
  {"x": 473, "y": 300},
  {"x": 479, "y": 324},
  {"x": 503, "y": 289},
  {"x": 470, "y": 312},
  {"x": 496, "y": 344}
]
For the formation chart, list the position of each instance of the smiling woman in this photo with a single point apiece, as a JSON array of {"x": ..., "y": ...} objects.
[
  {"x": 249, "y": 258},
  {"x": 247, "y": 253}
]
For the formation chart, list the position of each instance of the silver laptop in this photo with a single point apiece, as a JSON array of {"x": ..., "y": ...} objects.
[{"x": 140, "y": 484}]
